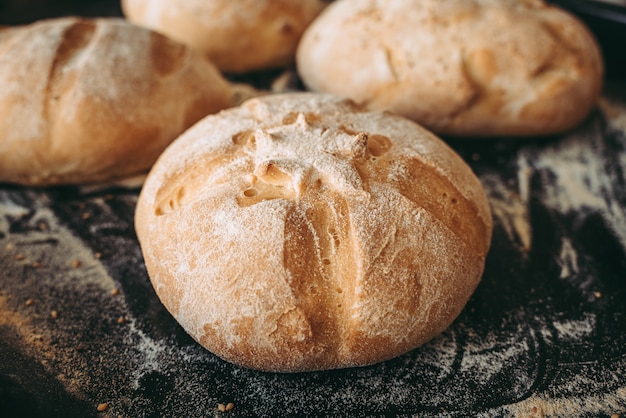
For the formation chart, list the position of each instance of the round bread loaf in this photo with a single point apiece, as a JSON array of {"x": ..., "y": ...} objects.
[
  {"x": 92, "y": 100},
  {"x": 458, "y": 67},
  {"x": 299, "y": 232},
  {"x": 238, "y": 35}
]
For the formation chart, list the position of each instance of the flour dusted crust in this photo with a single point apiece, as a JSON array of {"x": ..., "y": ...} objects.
[
  {"x": 458, "y": 67},
  {"x": 299, "y": 232},
  {"x": 93, "y": 100},
  {"x": 238, "y": 35}
]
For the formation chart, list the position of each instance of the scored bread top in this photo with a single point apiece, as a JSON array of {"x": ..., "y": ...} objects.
[
  {"x": 458, "y": 67},
  {"x": 88, "y": 100},
  {"x": 301, "y": 232}
]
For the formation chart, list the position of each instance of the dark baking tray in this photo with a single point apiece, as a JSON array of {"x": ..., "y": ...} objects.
[{"x": 544, "y": 334}]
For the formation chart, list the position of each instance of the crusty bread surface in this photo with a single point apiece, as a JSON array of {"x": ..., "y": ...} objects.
[
  {"x": 458, "y": 67},
  {"x": 238, "y": 35},
  {"x": 93, "y": 100},
  {"x": 301, "y": 232}
]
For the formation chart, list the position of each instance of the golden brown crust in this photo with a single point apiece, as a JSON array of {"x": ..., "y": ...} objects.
[
  {"x": 299, "y": 232},
  {"x": 92, "y": 100},
  {"x": 459, "y": 67},
  {"x": 237, "y": 35}
]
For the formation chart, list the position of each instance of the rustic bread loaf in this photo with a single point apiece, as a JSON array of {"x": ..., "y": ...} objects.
[
  {"x": 92, "y": 100},
  {"x": 299, "y": 232},
  {"x": 458, "y": 67},
  {"x": 238, "y": 35}
]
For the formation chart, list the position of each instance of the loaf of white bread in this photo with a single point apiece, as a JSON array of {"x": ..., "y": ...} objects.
[
  {"x": 301, "y": 232},
  {"x": 237, "y": 35},
  {"x": 468, "y": 68},
  {"x": 93, "y": 100}
]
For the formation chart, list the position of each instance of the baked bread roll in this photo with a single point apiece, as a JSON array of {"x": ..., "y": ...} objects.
[
  {"x": 299, "y": 232},
  {"x": 237, "y": 35},
  {"x": 458, "y": 67},
  {"x": 92, "y": 100}
]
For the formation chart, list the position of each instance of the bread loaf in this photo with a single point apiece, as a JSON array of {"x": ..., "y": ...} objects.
[
  {"x": 238, "y": 35},
  {"x": 458, "y": 67},
  {"x": 300, "y": 232},
  {"x": 93, "y": 100}
]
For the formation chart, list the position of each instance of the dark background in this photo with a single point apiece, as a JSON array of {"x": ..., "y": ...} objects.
[{"x": 13, "y": 12}]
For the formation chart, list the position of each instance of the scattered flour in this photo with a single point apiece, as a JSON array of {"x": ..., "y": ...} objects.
[
  {"x": 567, "y": 259},
  {"x": 510, "y": 209},
  {"x": 575, "y": 330},
  {"x": 574, "y": 177},
  {"x": 613, "y": 404}
]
